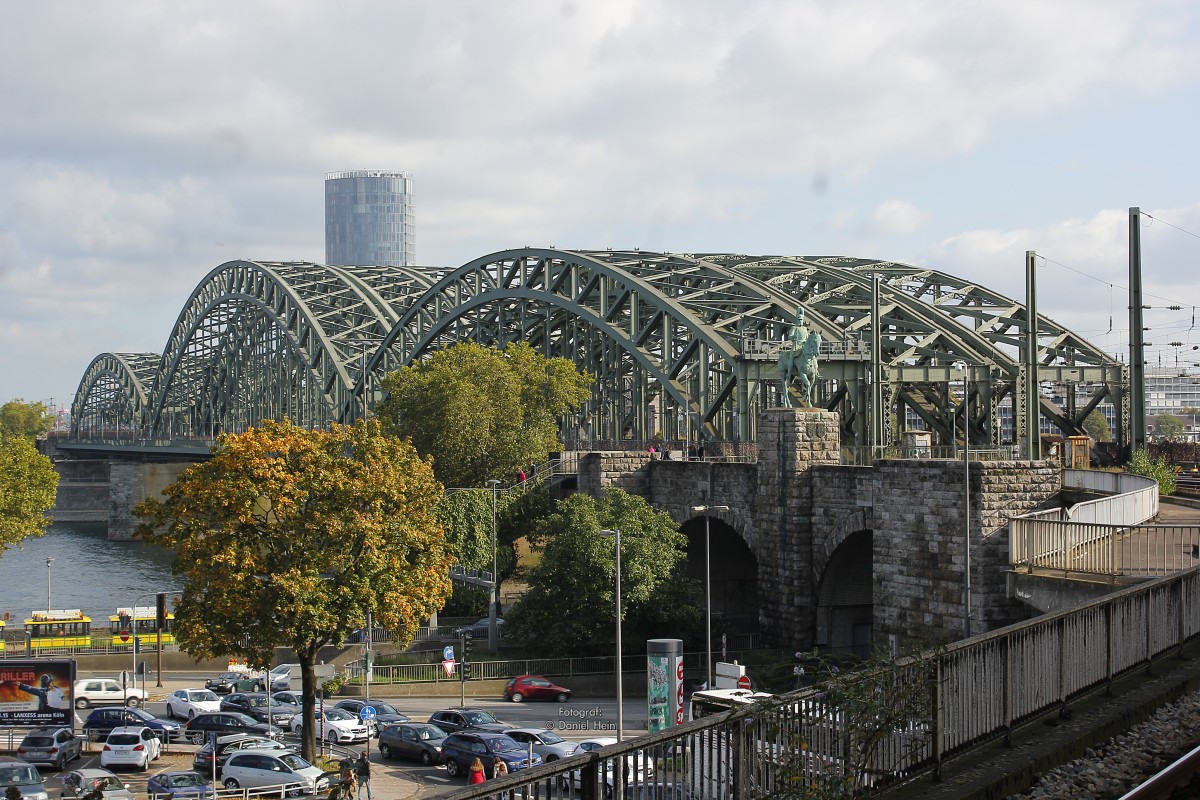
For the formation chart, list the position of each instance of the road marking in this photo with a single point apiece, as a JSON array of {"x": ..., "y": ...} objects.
[{"x": 437, "y": 778}]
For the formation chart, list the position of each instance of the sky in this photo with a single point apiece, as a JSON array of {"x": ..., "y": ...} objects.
[{"x": 142, "y": 144}]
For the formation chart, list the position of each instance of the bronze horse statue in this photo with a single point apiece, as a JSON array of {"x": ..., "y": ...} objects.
[{"x": 799, "y": 361}]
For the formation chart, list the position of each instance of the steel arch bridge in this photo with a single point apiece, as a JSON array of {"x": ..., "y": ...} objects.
[{"x": 682, "y": 345}]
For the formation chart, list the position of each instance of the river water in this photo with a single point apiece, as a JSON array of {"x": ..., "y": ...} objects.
[{"x": 88, "y": 572}]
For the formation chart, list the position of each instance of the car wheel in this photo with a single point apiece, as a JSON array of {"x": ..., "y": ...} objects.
[
  {"x": 385, "y": 751},
  {"x": 198, "y": 737},
  {"x": 132, "y": 702},
  {"x": 517, "y": 697},
  {"x": 231, "y": 783},
  {"x": 170, "y": 712},
  {"x": 331, "y": 736},
  {"x": 551, "y": 758},
  {"x": 426, "y": 758},
  {"x": 81, "y": 702},
  {"x": 452, "y": 768},
  {"x": 563, "y": 697},
  {"x": 191, "y": 713}
]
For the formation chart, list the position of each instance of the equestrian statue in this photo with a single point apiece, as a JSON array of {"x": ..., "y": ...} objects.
[{"x": 799, "y": 360}]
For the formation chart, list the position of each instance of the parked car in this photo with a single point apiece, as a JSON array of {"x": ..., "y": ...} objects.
[
  {"x": 339, "y": 727},
  {"x": 24, "y": 776},
  {"x": 254, "y": 704},
  {"x": 132, "y": 746},
  {"x": 223, "y": 722},
  {"x": 102, "y": 691},
  {"x": 228, "y": 682},
  {"x": 190, "y": 702},
  {"x": 461, "y": 719},
  {"x": 638, "y": 768},
  {"x": 53, "y": 746},
  {"x": 288, "y": 698},
  {"x": 85, "y": 781},
  {"x": 180, "y": 783},
  {"x": 460, "y": 749},
  {"x": 418, "y": 740},
  {"x": 102, "y": 720},
  {"x": 230, "y": 744},
  {"x": 534, "y": 687},
  {"x": 546, "y": 743},
  {"x": 281, "y": 677},
  {"x": 385, "y": 713},
  {"x": 250, "y": 769},
  {"x": 479, "y": 628}
]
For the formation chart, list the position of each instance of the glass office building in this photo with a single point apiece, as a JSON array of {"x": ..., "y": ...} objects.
[{"x": 369, "y": 218}]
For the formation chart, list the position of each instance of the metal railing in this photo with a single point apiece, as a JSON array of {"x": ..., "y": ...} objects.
[
  {"x": 865, "y": 456},
  {"x": 983, "y": 687}
]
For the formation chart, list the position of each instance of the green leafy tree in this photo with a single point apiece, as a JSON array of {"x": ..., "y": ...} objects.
[
  {"x": 18, "y": 418},
  {"x": 1168, "y": 428},
  {"x": 28, "y": 484},
  {"x": 482, "y": 413},
  {"x": 288, "y": 537},
  {"x": 1142, "y": 463},
  {"x": 569, "y": 606},
  {"x": 1097, "y": 427}
]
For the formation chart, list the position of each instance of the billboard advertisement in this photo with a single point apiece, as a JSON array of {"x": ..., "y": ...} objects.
[
  {"x": 36, "y": 692},
  {"x": 664, "y": 683}
]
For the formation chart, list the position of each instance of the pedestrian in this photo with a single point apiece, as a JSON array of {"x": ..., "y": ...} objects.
[
  {"x": 700, "y": 451},
  {"x": 533, "y": 471},
  {"x": 653, "y": 453},
  {"x": 666, "y": 454},
  {"x": 521, "y": 477},
  {"x": 364, "y": 775},
  {"x": 476, "y": 773},
  {"x": 499, "y": 768},
  {"x": 349, "y": 782}
]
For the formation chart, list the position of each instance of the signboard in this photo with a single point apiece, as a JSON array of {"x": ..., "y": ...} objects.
[
  {"x": 448, "y": 666},
  {"x": 743, "y": 682},
  {"x": 367, "y": 714},
  {"x": 37, "y": 692},
  {"x": 728, "y": 676},
  {"x": 448, "y": 653}
]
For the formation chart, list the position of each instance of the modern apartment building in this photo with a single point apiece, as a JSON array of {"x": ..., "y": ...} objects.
[{"x": 369, "y": 218}]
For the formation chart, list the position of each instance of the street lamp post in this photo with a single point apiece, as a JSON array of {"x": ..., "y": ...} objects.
[
  {"x": 616, "y": 534},
  {"x": 708, "y": 660},
  {"x": 493, "y": 606},
  {"x": 49, "y": 561}
]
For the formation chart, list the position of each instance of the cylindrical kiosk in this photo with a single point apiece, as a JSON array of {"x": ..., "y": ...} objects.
[{"x": 664, "y": 683}]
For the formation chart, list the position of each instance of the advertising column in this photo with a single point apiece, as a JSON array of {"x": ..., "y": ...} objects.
[{"x": 664, "y": 683}]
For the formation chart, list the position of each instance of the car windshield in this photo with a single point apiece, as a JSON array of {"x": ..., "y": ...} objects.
[
  {"x": 294, "y": 762},
  {"x": 430, "y": 732},
  {"x": 256, "y": 702},
  {"x": 384, "y": 708},
  {"x": 338, "y": 713},
  {"x": 139, "y": 713},
  {"x": 550, "y": 737},
  {"x": 500, "y": 744},
  {"x": 184, "y": 779},
  {"x": 480, "y": 718},
  {"x": 18, "y": 776},
  {"x": 106, "y": 782},
  {"x": 200, "y": 697}
]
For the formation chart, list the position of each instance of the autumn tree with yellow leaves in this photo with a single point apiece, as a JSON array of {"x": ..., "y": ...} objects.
[{"x": 288, "y": 537}]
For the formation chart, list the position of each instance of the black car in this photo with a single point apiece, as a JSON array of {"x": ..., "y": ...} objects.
[
  {"x": 254, "y": 704},
  {"x": 418, "y": 740},
  {"x": 385, "y": 713},
  {"x": 460, "y": 749},
  {"x": 228, "y": 682},
  {"x": 461, "y": 719},
  {"x": 102, "y": 720},
  {"x": 225, "y": 722}
]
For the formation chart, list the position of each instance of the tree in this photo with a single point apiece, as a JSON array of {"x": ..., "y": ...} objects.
[
  {"x": 570, "y": 601},
  {"x": 1168, "y": 428},
  {"x": 30, "y": 420},
  {"x": 1142, "y": 463},
  {"x": 288, "y": 537},
  {"x": 28, "y": 484},
  {"x": 482, "y": 413},
  {"x": 1096, "y": 426}
]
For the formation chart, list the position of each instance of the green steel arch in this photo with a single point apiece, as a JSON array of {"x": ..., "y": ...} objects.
[
  {"x": 683, "y": 345},
  {"x": 113, "y": 395}
]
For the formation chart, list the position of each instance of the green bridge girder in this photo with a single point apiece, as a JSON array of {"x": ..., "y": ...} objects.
[{"x": 683, "y": 345}]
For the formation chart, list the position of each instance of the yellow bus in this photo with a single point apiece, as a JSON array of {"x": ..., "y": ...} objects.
[
  {"x": 58, "y": 629},
  {"x": 140, "y": 625}
]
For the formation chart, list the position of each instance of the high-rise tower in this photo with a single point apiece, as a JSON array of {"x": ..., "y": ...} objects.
[{"x": 369, "y": 218}]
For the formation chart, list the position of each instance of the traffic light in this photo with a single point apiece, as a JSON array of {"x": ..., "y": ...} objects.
[
  {"x": 467, "y": 646},
  {"x": 368, "y": 659},
  {"x": 160, "y": 611}
]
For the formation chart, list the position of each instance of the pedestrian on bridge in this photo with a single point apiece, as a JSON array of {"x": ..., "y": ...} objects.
[{"x": 363, "y": 767}]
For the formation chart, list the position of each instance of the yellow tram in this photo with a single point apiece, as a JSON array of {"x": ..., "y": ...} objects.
[
  {"x": 139, "y": 623},
  {"x": 3, "y": 623},
  {"x": 62, "y": 629}
]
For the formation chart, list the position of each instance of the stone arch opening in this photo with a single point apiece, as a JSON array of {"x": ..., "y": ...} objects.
[
  {"x": 845, "y": 599},
  {"x": 734, "y": 572}
]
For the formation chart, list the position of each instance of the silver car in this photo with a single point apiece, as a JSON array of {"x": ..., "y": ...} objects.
[
  {"x": 253, "y": 769},
  {"x": 547, "y": 744},
  {"x": 84, "y": 781}
]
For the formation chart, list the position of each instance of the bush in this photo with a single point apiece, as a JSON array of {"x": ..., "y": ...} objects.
[
  {"x": 1159, "y": 469},
  {"x": 334, "y": 684}
]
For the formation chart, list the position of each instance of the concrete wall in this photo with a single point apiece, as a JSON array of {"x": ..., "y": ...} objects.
[
  {"x": 130, "y": 484},
  {"x": 83, "y": 491}
]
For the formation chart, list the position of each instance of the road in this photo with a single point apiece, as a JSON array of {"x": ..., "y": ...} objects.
[{"x": 578, "y": 719}]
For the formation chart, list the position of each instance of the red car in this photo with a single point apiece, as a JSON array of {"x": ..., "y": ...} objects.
[{"x": 534, "y": 687}]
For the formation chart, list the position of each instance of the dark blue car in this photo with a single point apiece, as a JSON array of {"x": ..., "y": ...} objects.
[
  {"x": 103, "y": 720},
  {"x": 460, "y": 749},
  {"x": 180, "y": 784}
]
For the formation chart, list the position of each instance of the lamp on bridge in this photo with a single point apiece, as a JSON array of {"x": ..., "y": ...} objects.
[{"x": 708, "y": 656}]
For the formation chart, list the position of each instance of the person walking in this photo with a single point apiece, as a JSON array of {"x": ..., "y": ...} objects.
[
  {"x": 521, "y": 478},
  {"x": 476, "y": 773},
  {"x": 499, "y": 768},
  {"x": 363, "y": 767}
]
